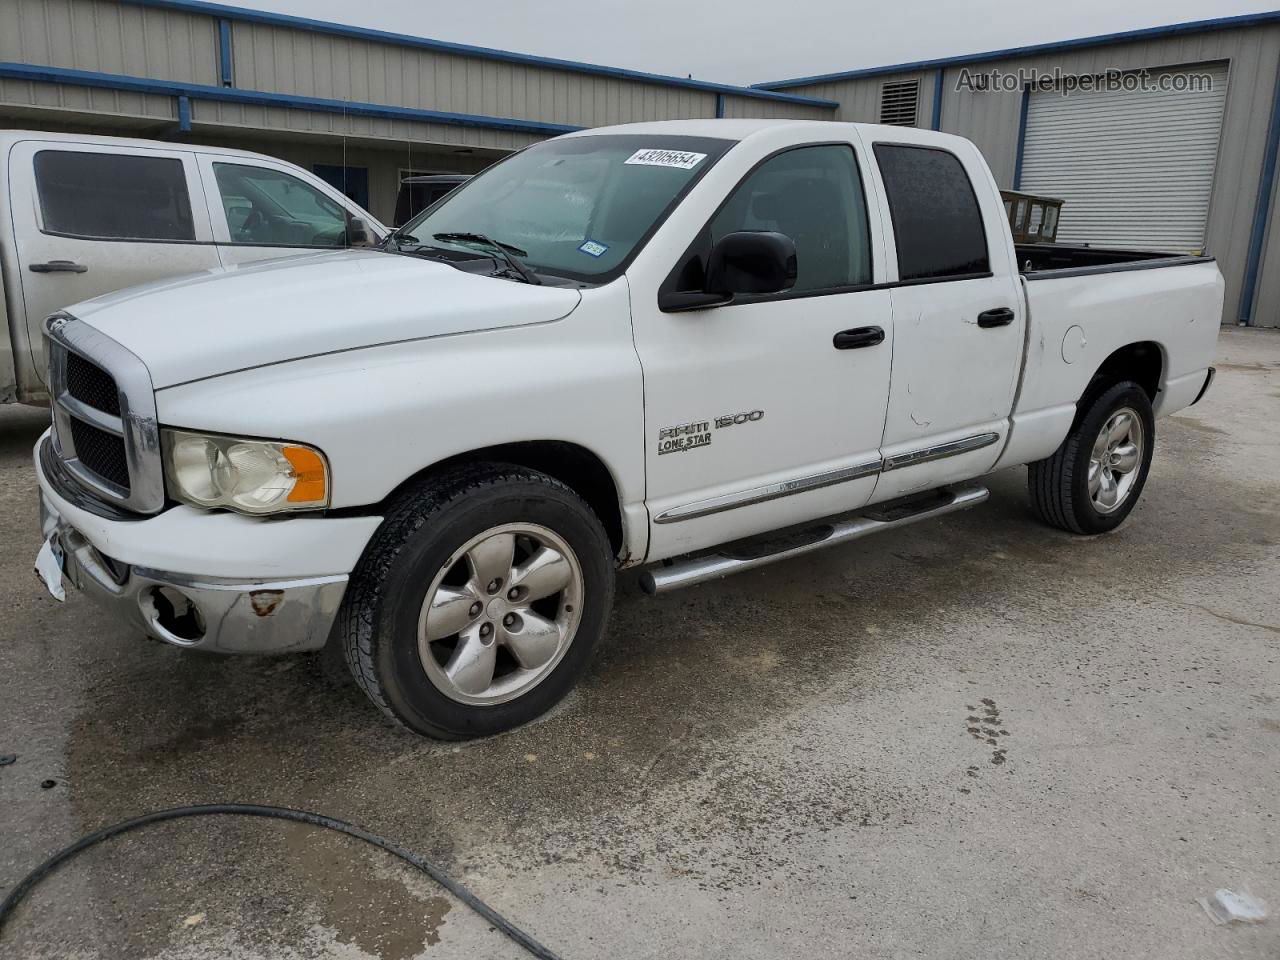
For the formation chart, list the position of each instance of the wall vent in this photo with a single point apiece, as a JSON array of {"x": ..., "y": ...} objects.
[{"x": 899, "y": 101}]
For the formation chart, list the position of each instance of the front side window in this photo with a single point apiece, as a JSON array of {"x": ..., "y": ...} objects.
[
  {"x": 936, "y": 220},
  {"x": 113, "y": 196},
  {"x": 578, "y": 207},
  {"x": 269, "y": 208},
  {"x": 813, "y": 195}
]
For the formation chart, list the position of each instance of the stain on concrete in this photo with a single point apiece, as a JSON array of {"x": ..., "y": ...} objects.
[{"x": 985, "y": 724}]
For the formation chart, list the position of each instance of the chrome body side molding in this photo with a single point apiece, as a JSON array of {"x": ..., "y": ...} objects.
[
  {"x": 772, "y": 491},
  {"x": 937, "y": 452},
  {"x": 786, "y": 488}
]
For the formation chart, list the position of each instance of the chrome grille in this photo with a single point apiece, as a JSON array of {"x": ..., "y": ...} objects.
[
  {"x": 90, "y": 384},
  {"x": 104, "y": 416},
  {"x": 101, "y": 452}
]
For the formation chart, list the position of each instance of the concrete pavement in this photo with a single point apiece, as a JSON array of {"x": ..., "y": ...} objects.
[{"x": 976, "y": 737}]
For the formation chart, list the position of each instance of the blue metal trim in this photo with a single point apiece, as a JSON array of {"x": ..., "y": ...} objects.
[
  {"x": 1022, "y": 137},
  {"x": 467, "y": 50},
  {"x": 224, "y": 51},
  {"x": 1105, "y": 39},
  {"x": 719, "y": 106},
  {"x": 184, "y": 113},
  {"x": 938, "y": 80},
  {"x": 1261, "y": 211},
  {"x": 112, "y": 81}
]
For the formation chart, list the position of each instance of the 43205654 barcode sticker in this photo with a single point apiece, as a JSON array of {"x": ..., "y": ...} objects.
[{"x": 655, "y": 157}]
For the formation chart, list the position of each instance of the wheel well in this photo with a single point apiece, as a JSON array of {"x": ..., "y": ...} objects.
[
  {"x": 576, "y": 467},
  {"x": 1140, "y": 362}
]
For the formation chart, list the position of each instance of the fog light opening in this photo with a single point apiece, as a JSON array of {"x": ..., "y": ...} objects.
[{"x": 173, "y": 613}]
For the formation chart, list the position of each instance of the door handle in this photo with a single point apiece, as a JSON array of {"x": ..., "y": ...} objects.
[
  {"x": 58, "y": 266},
  {"x": 857, "y": 337},
  {"x": 999, "y": 317}
]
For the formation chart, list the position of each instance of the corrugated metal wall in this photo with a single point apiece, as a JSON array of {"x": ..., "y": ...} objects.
[
  {"x": 470, "y": 96},
  {"x": 992, "y": 121},
  {"x": 292, "y": 61},
  {"x": 752, "y": 108},
  {"x": 157, "y": 42},
  {"x": 109, "y": 37}
]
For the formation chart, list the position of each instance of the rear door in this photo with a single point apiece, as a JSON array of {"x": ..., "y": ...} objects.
[
  {"x": 262, "y": 210},
  {"x": 90, "y": 219},
  {"x": 957, "y": 311}
]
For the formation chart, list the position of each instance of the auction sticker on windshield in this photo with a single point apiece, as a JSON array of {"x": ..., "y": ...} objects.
[{"x": 655, "y": 157}]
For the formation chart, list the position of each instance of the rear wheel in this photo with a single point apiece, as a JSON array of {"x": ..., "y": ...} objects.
[
  {"x": 479, "y": 602},
  {"x": 1094, "y": 479}
]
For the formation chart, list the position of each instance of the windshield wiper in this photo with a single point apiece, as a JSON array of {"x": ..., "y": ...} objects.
[{"x": 505, "y": 250}]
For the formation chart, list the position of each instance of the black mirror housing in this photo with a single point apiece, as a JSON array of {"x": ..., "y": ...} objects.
[{"x": 751, "y": 261}]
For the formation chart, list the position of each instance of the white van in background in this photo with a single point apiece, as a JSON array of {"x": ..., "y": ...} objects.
[{"x": 81, "y": 216}]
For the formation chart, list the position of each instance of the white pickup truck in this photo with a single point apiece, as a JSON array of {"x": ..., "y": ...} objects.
[
  {"x": 81, "y": 216},
  {"x": 701, "y": 346}
]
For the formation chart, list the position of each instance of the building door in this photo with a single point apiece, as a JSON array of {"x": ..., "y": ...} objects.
[{"x": 1134, "y": 166}]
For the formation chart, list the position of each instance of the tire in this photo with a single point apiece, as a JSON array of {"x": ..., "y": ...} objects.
[
  {"x": 438, "y": 541},
  {"x": 1068, "y": 492}
]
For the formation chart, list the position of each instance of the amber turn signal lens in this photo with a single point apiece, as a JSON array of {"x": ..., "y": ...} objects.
[{"x": 309, "y": 473}]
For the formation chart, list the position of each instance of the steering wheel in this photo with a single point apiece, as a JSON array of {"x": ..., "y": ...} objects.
[{"x": 253, "y": 223}]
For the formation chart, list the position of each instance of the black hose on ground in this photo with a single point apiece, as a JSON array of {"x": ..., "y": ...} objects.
[{"x": 500, "y": 922}]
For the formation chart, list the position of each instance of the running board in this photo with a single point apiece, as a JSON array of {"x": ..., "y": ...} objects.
[{"x": 749, "y": 554}]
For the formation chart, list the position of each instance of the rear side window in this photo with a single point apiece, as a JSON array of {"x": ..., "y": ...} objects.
[
  {"x": 113, "y": 196},
  {"x": 936, "y": 220}
]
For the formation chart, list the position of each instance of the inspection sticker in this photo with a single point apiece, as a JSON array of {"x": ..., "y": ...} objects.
[
  {"x": 655, "y": 157},
  {"x": 591, "y": 248}
]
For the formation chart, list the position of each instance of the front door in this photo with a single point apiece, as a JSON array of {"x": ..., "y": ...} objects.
[
  {"x": 758, "y": 414},
  {"x": 91, "y": 219}
]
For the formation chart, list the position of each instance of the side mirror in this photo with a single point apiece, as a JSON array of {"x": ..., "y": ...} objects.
[
  {"x": 357, "y": 232},
  {"x": 752, "y": 262},
  {"x": 746, "y": 262}
]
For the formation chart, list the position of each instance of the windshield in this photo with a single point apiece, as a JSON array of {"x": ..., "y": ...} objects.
[{"x": 578, "y": 207}]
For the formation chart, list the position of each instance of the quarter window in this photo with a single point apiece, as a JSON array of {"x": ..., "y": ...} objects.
[
  {"x": 113, "y": 196},
  {"x": 266, "y": 207},
  {"x": 936, "y": 220},
  {"x": 814, "y": 196}
]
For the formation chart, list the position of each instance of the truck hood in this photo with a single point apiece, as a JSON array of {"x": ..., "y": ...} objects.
[{"x": 236, "y": 318}]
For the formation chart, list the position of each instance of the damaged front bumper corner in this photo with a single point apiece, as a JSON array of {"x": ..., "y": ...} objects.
[{"x": 208, "y": 613}]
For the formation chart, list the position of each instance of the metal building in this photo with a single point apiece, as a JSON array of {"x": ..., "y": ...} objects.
[
  {"x": 362, "y": 108},
  {"x": 1190, "y": 165},
  {"x": 1182, "y": 163}
]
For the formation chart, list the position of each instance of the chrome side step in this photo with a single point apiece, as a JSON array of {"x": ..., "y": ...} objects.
[{"x": 746, "y": 555}]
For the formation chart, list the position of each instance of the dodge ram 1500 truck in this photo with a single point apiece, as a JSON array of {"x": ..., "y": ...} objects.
[{"x": 700, "y": 346}]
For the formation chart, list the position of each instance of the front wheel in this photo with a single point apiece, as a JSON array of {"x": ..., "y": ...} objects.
[
  {"x": 1094, "y": 479},
  {"x": 479, "y": 602}
]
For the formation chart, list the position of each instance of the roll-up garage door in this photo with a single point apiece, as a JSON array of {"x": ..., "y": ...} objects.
[{"x": 1134, "y": 166}]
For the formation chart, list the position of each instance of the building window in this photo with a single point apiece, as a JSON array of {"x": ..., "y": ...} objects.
[{"x": 113, "y": 196}]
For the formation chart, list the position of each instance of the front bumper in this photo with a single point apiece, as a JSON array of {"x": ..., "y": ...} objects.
[{"x": 263, "y": 614}]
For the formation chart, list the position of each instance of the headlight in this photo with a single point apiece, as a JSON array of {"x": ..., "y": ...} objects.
[{"x": 249, "y": 476}]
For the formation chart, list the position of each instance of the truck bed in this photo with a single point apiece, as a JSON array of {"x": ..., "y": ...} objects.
[{"x": 1038, "y": 260}]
